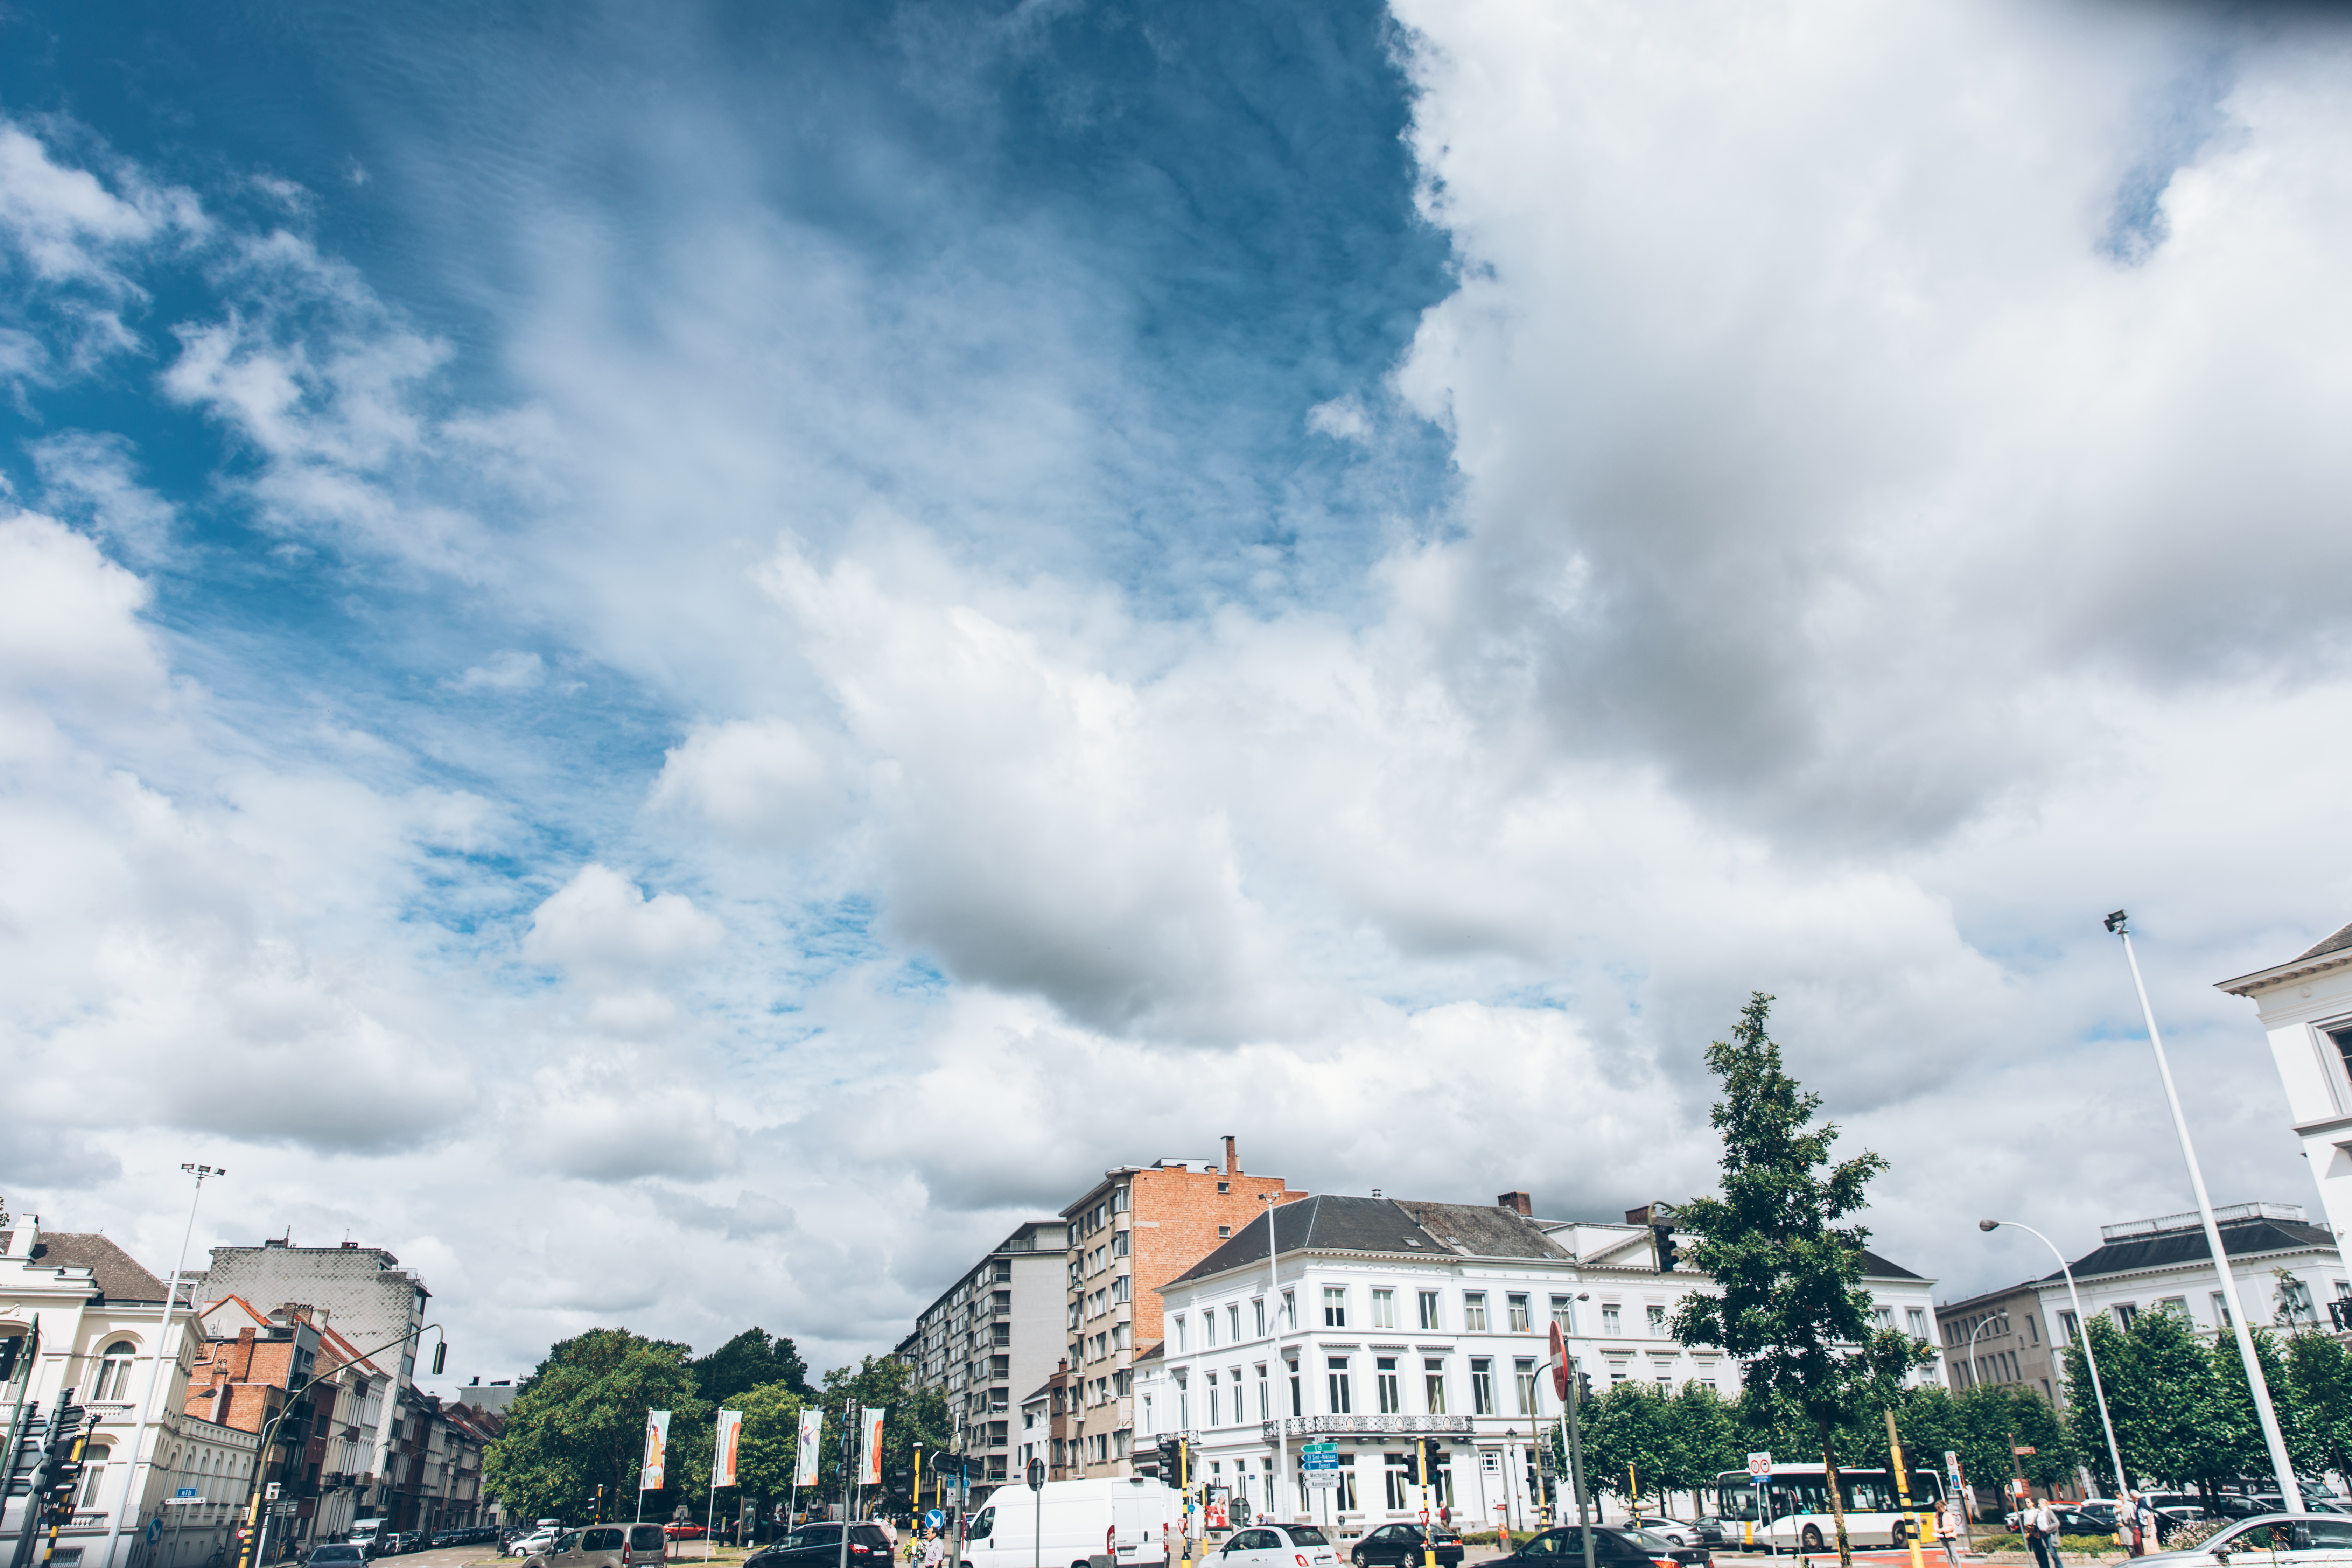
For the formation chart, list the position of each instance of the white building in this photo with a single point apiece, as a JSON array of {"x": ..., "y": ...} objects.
[
  {"x": 1381, "y": 1320},
  {"x": 2288, "y": 1270},
  {"x": 2306, "y": 1005},
  {"x": 101, "y": 1316}
]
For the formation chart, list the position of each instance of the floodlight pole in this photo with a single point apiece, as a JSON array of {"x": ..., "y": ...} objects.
[
  {"x": 140, "y": 1453},
  {"x": 2290, "y": 1492}
]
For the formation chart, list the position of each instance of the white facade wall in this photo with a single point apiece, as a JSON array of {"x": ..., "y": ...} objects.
[
  {"x": 2194, "y": 1288},
  {"x": 2306, "y": 1006},
  {"x": 1229, "y": 1391}
]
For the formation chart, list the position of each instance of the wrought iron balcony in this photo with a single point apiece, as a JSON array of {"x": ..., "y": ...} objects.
[{"x": 1367, "y": 1426}]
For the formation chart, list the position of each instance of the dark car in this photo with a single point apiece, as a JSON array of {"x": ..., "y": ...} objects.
[
  {"x": 819, "y": 1546},
  {"x": 1564, "y": 1548},
  {"x": 1400, "y": 1546},
  {"x": 347, "y": 1553},
  {"x": 1715, "y": 1531}
]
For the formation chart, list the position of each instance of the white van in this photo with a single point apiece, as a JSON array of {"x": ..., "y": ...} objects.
[{"x": 1067, "y": 1524}]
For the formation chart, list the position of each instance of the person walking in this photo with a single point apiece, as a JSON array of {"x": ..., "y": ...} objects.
[
  {"x": 935, "y": 1551},
  {"x": 2146, "y": 1512},
  {"x": 2127, "y": 1522},
  {"x": 1949, "y": 1527}
]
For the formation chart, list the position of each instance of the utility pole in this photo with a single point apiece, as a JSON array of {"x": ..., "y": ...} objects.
[{"x": 140, "y": 1447}]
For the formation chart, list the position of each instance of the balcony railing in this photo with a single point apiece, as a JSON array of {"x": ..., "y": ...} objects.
[{"x": 1367, "y": 1426}]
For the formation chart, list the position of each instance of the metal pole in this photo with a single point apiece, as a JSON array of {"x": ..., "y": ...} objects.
[
  {"x": 2083, "y": 1325},
  {"x": 1576, "y": 1458},
  {"x": 1274, "y": 1305},
  {"x": 1976, "y": 1378},
  {"x": 2289, "y": 1491},
  {"x": 848, "y": 1464},
  {"x": 156, "y": 1368}
]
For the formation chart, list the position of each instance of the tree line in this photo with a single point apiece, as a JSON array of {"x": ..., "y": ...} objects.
[{"x": 578, "y": 1423}]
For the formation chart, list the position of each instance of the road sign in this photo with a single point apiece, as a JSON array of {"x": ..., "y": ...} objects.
[
  {"x": 1759, "y": 1464},
  {"x": 185, "y": 1491},
  {"x": 1559, "y": 1362},
  {"x": 1320, "y": 1457},
  {"x": 2024, "y": 1450},
  {"x": 187, "y": 1499},
  {"x": 935, "y": 1519},
  {"x": 1317, "y": 1480},
  {"x": 154, "y": 1530}
]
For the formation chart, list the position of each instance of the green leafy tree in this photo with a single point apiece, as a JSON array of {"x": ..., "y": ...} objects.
[
  {"x": 2175, "y": 1417},
  {"x": 1706, "y": 1439},
  {"x": 767, "y": 1449},
  {"x": 751, "y": 1359},
  {"x": 1788, "y": 1300},
  {"x": 912, "y": 1414},
  {"x": 1629, "y": 1441},
  {"x": 2319, "y": 1372},
  {"x": 578, "y": 1422}
]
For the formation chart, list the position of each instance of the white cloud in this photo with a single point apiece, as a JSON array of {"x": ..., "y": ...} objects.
[
  {"x": 600, "y": 925},
  {"x": 762, "y": 780},
  {"x": 508, "y": 669},
  {"x": 95, "y": 473}
]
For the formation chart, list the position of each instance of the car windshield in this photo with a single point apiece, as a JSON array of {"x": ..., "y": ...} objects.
[{"x": 1305, "y": 1535}]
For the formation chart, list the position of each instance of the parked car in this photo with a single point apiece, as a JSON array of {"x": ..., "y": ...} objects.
[
  {"x": 1681, "y": 1532},
  {"x": 1277, "y": 1546},
  {"x": 818, "y": 1545},
  {"x": 2278, "y": 1538},
  {"x": 531, "y": 1545},
  {"x": 349, "y": 1554},
  {"x": 681, "y": 1529},
  {"x": 1564, "y": 1548},
  {"x": 1400, "y": 1546},
  {"x": 1716, "y": 1531},
  {"x": 602, "y": 1546}
]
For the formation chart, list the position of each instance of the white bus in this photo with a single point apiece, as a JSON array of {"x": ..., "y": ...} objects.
[{"x": 1786, "y": 1509}]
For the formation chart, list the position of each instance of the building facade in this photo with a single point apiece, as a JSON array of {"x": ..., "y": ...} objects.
[
  {"x": 99, "y": 1317},
  {"x": 2305, "y": 1005},
  {"x": 1137, "y": 1229},
  {"x": 2000, "y": 1337},
  {"x": 2288, "y": 1272},
  {"x": 362, "y": 1294},
  {"x": 1365, "y": 1321},
  {"x": 996, "y": 1330}
]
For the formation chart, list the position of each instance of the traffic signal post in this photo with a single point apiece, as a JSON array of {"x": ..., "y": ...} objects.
[{"x": 1568, "y": 1383}]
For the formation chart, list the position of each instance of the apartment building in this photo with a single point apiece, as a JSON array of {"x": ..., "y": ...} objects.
[
  {"x": 1997, "y": 1337},
  {"x": 995, "y": 1331},
  {"x": 1134, "y": 1231}
]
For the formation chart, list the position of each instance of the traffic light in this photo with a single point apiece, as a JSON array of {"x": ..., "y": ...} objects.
[
  {"x": 29, "y": 1468},
  {"x": 1171, "y": 1461},
  {"x": 1424, "y": 1461},
  {"x": 64, "y": 1466},
  {"x": 1665, "y": 1236}
]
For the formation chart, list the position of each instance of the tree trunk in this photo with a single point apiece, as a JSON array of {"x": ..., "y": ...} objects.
[{"x": 1837, "y": 1499}]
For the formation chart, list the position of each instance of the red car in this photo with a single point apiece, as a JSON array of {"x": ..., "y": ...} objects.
[{"x": 684, "y": 1531}]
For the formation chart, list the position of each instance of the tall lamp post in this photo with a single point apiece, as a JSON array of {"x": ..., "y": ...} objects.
[
  {"x": 1976, "y": 1377},
  {"x": 139, "y": 1452},
  {"x": 2290, "y": 1493},
  {"x": 2082, "y": 1325}
]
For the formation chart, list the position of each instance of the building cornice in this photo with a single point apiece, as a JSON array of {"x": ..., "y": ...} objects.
[
  {"x": 2194, "y": 1265},
  {"x": 2296, "y": 969}
]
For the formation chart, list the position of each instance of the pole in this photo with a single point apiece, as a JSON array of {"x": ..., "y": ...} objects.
[
  {"x": 1976, "y": 1378},
  {"x": 1185, "y": 1490},
  {"x": 2083, "y": 1326},
  {"x": 1274, "y": 1305},
  {"x": 1902, "y": 1486},
  {"x": 1576, "y": 1459},
  {"x": 848, "y": 1467},
  {"x": 2290, "y": 1492},
  {"x": 139, "y": 1461}
]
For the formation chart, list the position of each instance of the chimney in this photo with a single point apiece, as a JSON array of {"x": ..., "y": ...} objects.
[
  {"x": 1232, "y": 1160},
  {"x": 1518, "y": 1202},
  {"x": 1638, "y": 1216}
]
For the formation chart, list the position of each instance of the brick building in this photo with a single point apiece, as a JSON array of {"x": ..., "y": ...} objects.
[
  {"x": 283, "y": 1365},
  {"x": 1137, "y": 1229}
]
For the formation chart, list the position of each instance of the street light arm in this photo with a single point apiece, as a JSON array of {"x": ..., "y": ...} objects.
[{"x": 2083, "y": 1327}]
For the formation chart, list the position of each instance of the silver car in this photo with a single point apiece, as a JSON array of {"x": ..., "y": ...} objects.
[{"x": 2320, "y": 1540}]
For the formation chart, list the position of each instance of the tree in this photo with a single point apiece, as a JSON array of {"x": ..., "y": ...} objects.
[
  {"x": 578, "y": 1421},
  {"x": 2174, "y": 1417},
  {"x": 914, "y": 1415},
  {"x": 1788, "y": 1301},
  {"x": 1629, "y": 1441},
  {"x": 2319, "y": 1370},
  {"x": 751, "y": 1359}
]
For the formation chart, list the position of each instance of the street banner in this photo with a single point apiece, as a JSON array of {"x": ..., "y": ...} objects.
[
  {"x": 649, "y": 1479},
  {"x": 804, "y": 1468},
  {"x": 869, "y": 1469},
  {"x": 722, "y": 1458}
]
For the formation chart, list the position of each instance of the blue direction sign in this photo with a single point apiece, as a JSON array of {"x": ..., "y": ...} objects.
[
  {"x": 186, "y": 1492},
  {"x": 154, "y": 1530},
  {"x": 1320, "y": 1457},
  {"x": 935, "y": 1519}
]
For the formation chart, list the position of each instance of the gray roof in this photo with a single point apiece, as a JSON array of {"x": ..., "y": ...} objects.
[
  {"x": 1405, "y": 1226},
  {"x": 117, "y": 1274},
  {"x": 2337, "y": 944},
  {"x": 2240, "y": 1238},
  {"x": 1876, "y": 1267}
]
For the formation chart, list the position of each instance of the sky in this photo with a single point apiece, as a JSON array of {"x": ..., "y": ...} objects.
[{"x": 680, "y": 660}]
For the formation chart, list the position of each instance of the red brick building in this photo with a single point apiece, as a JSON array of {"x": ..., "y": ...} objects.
[{"x": 1138, "y": 1228}]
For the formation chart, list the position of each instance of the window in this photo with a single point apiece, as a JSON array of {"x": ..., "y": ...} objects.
[
  {"x": 1474, "y": 1311},
  {"x": 2034, "y": 1325},
  {"x": 1224, "y": 1232},
  {"x": 1119, "y": 1245},
  {"x": 1429, "y": 1314},
  {"x": 1433, "y": 1384},
  {"x": 1919, "y": 1319},
  {"x": 1122, "y": 1384},
  {"x": 1519, "y": 1313},
  {"x": 2072, "y": 1329},
  {"x": 1290, "y": 1311},
  {"x": 1257, "y": 1315},
  {"x": 1179, "y": 1325},
  {"x": 1609, "y": 1318},
  {"x": 2221, "y": 1312},
  {"x": 2341, "y": 1037},
  {"x": 114, "y": 1370},
  {"x": 1398, "y": 1475},
  {"x": 1884, "y": 1316},
  {"x": 1384, "y": 1386},
  {"x": 1563, "y": 1313},
  {"x": 1298, "y": 1395},
  {"x": 1123, "y": 1288},
  {"x": 1234, "y": 1322},
  {"x": 1523, "y": 1383},
  {"x": 2176, "y": 1304},
  {"x": 1342, "y": 1396},
  {"x": 1383, "y": 1307},
  {"x": 1215, "y": 1419},
  {"x": 93, "y": 1474},
  {"x": 1335, "y": 1306},
  {"x": 1482, "y": 1386},
  {"x": 1209, "y": 1327},
  {"x": 1265, "y": 1394},
  {"x": 1224, "y": 1187},
  {"x": 2294, "y": 1302},
  {"x": 2127, "y": 1313},
  {"x": 1657, "y": 1316},
  {"x": 1183, "y": 1407}
]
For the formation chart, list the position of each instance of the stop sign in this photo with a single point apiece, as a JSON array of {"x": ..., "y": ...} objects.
[{"x": 1559, "y": 1373}]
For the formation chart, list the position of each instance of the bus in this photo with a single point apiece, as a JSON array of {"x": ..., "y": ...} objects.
[{"x": 1787, "y": 1508}]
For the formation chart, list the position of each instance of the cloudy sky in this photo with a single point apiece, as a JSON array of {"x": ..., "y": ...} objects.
[{"x": 680, "y": 659}]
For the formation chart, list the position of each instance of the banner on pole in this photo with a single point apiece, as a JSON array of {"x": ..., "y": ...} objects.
[
  {"x": 723, "y": 1458},
  {"x": 869, "y": 1468},
  {"x": 804, "y": 1466},
  {"x": 649, "y": 1479}
]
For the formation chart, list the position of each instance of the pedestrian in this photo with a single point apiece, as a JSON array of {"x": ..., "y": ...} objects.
[
  {"x": 2146, "y": 1511},
  {"x": 2127, "y": 1522},
  {"x": 2045, "y": 1533},
  {"x": 935, "y": 1551},
  {"x": 1949, "y": 1524}
]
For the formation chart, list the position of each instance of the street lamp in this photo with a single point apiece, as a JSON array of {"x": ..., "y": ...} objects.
[
  {"x": 1976, "y": 1377},
  {"x": 139, "y": 1452},
  {"x": 2290, "y": 1493},
  {"x": 1274, "y": 1305},
  {"x": 2082, "y": 1326}
]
